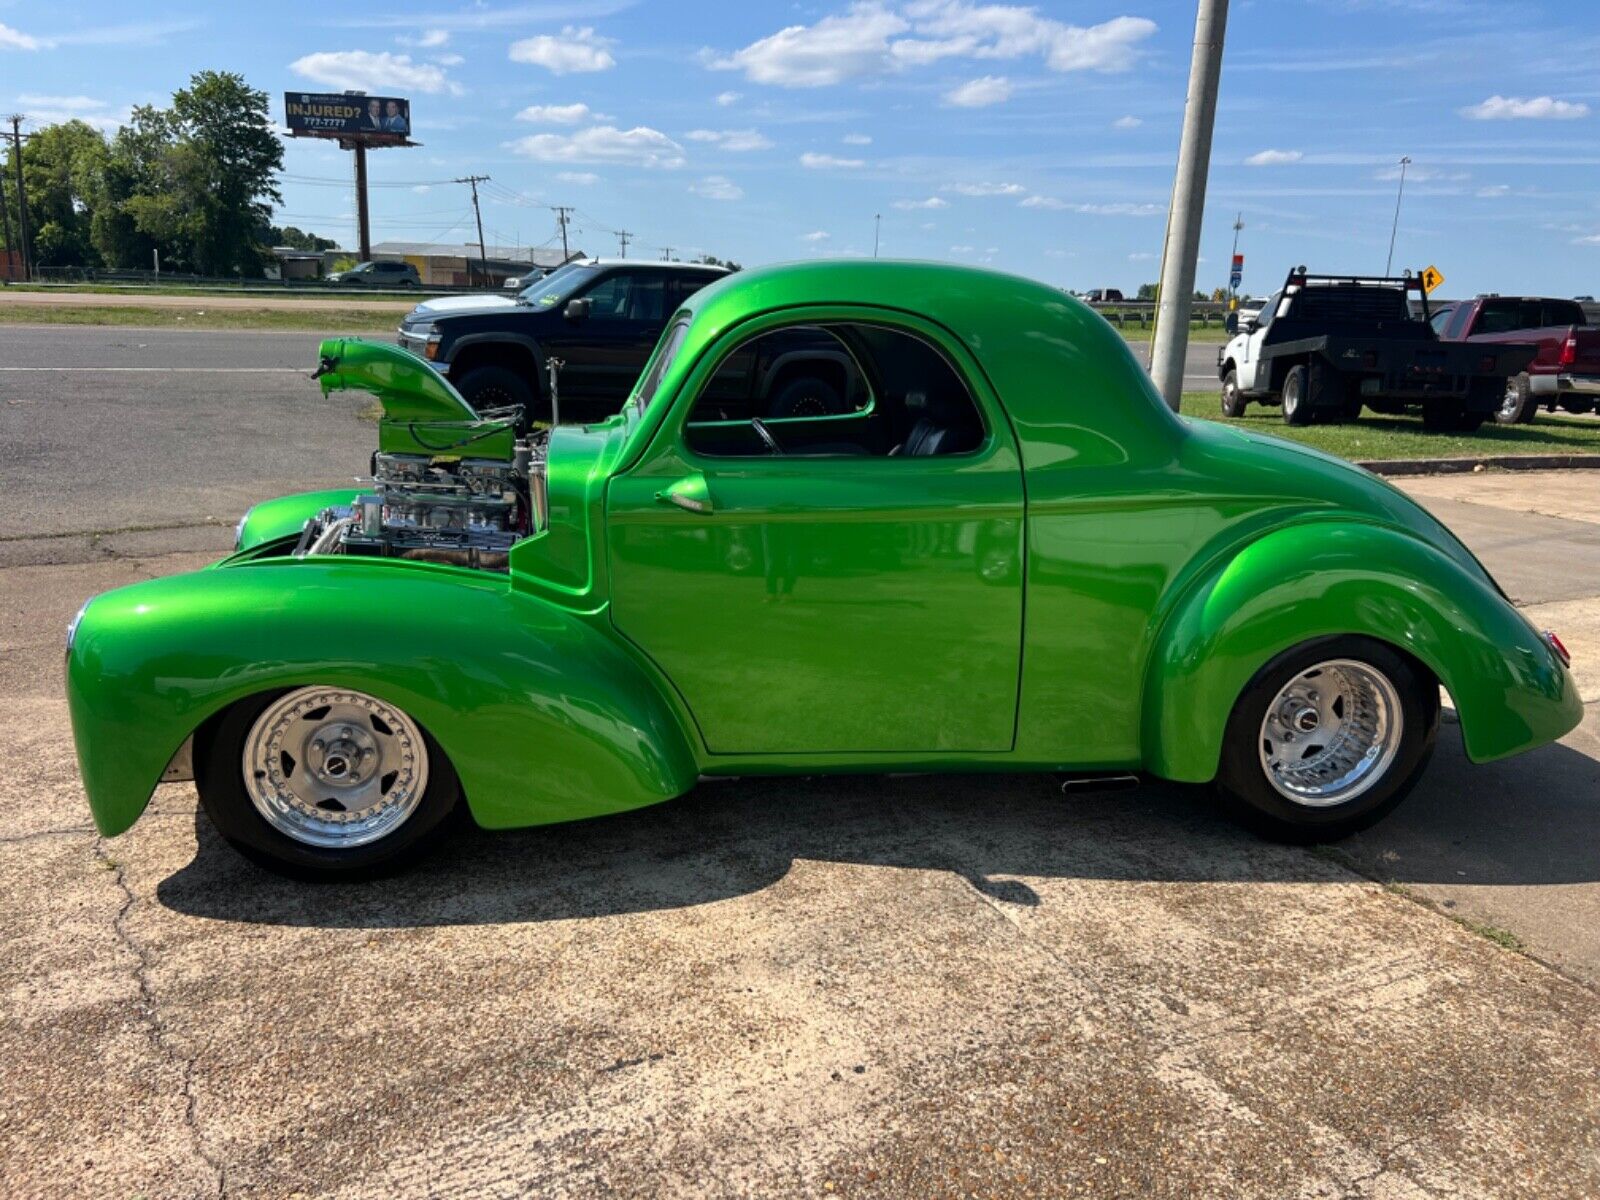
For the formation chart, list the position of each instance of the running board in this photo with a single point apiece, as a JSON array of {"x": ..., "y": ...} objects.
[{"x": 1078, "y": 785}]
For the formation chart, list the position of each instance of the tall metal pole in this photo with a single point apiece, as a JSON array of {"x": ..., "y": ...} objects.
[
  {"x": 1175, "y": 300},
  {"x": 22, "y": 196},
  {"x": 1405, "y": 161},
  {"x": 877, "y": 219},
  {"x": 363, "y": 227},
  {"x": 1233, "y": 257}
]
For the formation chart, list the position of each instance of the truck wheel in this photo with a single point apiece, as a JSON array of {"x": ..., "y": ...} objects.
[
  {"x": 495, "y": 387},
  {"x": 1327, "y": 738},
  {"x": 1296, "y": 409},
  {"x": 1518, "y": 406},
  {"x": 1233, "y": 402},
  {"x": 323, "y": 782}
]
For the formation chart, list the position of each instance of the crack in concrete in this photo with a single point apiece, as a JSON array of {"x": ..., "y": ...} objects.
[
  {"x": 38, "y": 835},
  {"x": 160, "y": 1037}
]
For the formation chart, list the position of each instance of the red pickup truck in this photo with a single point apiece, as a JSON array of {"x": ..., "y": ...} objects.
[{"x": 1565, "y": 373}]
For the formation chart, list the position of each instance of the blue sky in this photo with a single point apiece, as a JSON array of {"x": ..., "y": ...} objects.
[{"x": 1039, "y": 139}]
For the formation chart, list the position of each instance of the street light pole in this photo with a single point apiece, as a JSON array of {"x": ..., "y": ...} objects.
[
  {"x": 1175, "y": 300},
  {"x": 877, "y": 219},
  {"x": 1405, "y": 161}
]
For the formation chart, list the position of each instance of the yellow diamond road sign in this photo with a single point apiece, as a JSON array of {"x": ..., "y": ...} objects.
[{"x": 1431, "y": 279}]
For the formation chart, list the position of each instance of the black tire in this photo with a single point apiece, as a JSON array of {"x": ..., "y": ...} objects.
[
  {"x": 496, "y": 387},
  {"x": 219, "y": 779},
  {"x": 1296, "y": 403},
  {"x": 1517, "y": 405},
  {"x": 807, "y": 396},
  {"x": 1233, "y": 401},
  {"x": 1242, "y": 779}
]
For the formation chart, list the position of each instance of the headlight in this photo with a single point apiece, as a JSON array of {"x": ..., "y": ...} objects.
[{"x": 72, "y": 626}]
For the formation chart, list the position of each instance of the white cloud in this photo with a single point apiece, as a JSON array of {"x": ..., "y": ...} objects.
[
  {"x": 984, "y": 189},
  {"x": 365, "y": 71},
  {"x": 1416, "y": 174},
  {"x": 637, "y": 147},
  {"x": 864, "y": 41},
  {"x": 1493, "y": 191},
  {"x": 433, "y": 38},
  {"x": 574, "y": 51},
  {"x": 821, "y": 162},
  {"x": 1274, "y": 158},
  {"x": 717, "y": 187},
  {"x": 930, "y": 202},
  {"x": 736, "y": 140},
  {"x": 857, "y": 139},
  {"x": 980, "y": 93},
  {"x": 61, "y": 103},
  {"x": 1043, "y": 202},
  {"x": 52, "y": 110},
  {"x": 449, "y": 60},
  {"x": 15, "y": 39},
  {"x": 1129, "y": 122},
  {"x": 556, "y": 114},
  {"x": 1141, "y": 256},
  {"x": 581, "y": 178},
  {"x": 1119, "y": 209},
  {"x": 962, "y": 249},
  {"x": 422, "y": 189},
  {"x": 728, "y": 99},
  {"x": 816, "y": 235},
  {"x": 1538, "y": 108}
]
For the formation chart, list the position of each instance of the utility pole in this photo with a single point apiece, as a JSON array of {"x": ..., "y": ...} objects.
[
  {"x": 624, "y": 237},
  {"x": 1175, "y": 300},
  {"x": 483, "y": 255},
  {"x": 561, "y": 211},
  {"x": 1233, "y": 258},
  {"x": 22, "y": 196},
  {"x": 1405, "y": 161},
  {"x": 363, "y": 224},
  {"x": 877, "y": 220},
  {"x": 6, "y": 214},
  {"x": 666, "y": 254}
]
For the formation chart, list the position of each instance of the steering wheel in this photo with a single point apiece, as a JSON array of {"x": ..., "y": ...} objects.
[{"x": 760, "y": 427}]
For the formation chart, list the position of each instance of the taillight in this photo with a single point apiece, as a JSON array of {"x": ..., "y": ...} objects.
[
  {"x": 1561, "y": 651},
  {"x": 1569, "y": 352}
]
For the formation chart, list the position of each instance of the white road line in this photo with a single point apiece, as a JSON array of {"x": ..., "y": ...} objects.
[{"x": 172, "y": 370}]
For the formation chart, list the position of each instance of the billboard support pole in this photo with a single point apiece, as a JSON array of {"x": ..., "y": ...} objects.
[{"x": 364, "y": 229}]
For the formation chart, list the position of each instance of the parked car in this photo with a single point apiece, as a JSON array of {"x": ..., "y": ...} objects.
[
  {"x": 1325, "y": 345},
  {"x": 1103, "y": 296},
  {"x": 1002, "y": 552},
  {"x": 600, "y": 317},
  {"x": 1565, "y": 371},
  {"x": 378, "y": 274},
  {"x": 515, "y": 283}
]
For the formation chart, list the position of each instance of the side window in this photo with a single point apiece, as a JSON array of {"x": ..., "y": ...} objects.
[
  {"x": 608, "y": 299},
  {"x": 1498, "y": 316},
  {"x": 647, "y": 299},
  {"x": 832, "y": 391},
  {"x": 1441, "y": 319}
]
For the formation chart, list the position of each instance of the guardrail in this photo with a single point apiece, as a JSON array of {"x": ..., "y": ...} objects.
[{"x": 1123, "y": 313}]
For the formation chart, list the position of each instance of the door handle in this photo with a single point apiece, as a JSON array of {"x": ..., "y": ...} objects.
[{"x": 689, "y": 493}]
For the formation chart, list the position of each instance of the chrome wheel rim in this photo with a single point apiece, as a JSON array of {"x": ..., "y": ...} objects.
[
  {"x": 1331, "y": 733},
  {"x": 334, "y": 768},
  {"x": 1510, "y": 402}
]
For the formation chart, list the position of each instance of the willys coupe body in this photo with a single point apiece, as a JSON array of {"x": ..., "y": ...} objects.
[{"x": 977, "y": 541}]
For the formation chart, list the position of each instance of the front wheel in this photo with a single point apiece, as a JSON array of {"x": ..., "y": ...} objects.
[
  {"x": 1328, "y": 738},
  {"x": 1517, "y": 405},
  {"x": 323, "y": 782},
  {"x": 1233, "y": 402}
]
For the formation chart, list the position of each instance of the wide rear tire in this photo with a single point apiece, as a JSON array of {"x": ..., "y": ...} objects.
[
  {"x": 1518, "y": 405},
  {"x": 1327, "y": 739},
  {"x": 1296, "y": 402},
  {"x": 1233, "y": 401}
]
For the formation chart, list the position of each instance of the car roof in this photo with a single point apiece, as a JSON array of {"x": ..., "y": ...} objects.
[{"x": 653, "y": 264}]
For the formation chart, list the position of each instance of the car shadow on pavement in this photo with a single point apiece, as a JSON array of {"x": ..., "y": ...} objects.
[{"x": 1529, "y": 820}]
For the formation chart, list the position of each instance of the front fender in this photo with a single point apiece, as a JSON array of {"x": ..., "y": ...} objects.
[
  {"x": 1324, "y": 578},
  {"x": 286, "y": 515},
  {"x": 544, "y": 716}
]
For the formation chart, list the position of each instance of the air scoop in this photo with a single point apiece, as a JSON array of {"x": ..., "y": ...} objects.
[{"x": 407, "y": 386}]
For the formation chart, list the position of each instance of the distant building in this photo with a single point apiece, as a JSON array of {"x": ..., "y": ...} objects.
[{"x": 458, "y": 265}]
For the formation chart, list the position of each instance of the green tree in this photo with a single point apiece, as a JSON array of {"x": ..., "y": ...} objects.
[
  {"x": 135, "y": 166},
  {"x": 291, "y": 235},
  {"x": 61, "y": 165},
  {"x": 1147, "y": 291}
]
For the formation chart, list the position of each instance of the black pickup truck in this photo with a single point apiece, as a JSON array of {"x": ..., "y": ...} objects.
[
  {"x": 601, "y": 318},
  {"x": 1324, "y": 346}
]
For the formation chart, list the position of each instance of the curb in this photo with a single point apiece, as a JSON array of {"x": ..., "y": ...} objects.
[{"x": 1499, "y": 462}]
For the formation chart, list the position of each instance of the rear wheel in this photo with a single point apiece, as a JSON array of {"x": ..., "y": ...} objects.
[
  {"x": 1296, "y": 406},
  {"x": 492, "y": 386},
  {"x": 1517, "y": 405},
  {"x": 1328, "y": 738},
  {"x": 323, "y": 782},
  {"x": 1233, "y": 401}
]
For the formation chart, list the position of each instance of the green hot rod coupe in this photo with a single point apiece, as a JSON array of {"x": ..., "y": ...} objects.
[{"x": 970, "y": 537}]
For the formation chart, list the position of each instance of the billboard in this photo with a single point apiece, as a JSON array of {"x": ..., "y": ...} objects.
[{"x": 373, "y": 119}]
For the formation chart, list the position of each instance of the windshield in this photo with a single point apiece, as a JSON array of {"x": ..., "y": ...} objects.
[
  {"x": 658, "y": 366},
  {"x": 556, "y": 286}
]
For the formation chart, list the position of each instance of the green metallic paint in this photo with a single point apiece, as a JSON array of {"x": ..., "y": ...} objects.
[
  {"x": 286, "y": 516},
  {"x": 1091, "y": 589}
]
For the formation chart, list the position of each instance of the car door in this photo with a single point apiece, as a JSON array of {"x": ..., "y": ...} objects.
[
  {"x": 1249, "y": 367},
  {"x": 606, "y": 348},
  {"x": 828, "y": 603}
]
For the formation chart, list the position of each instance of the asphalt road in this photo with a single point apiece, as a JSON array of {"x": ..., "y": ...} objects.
[{"x": 853, "y": 986}]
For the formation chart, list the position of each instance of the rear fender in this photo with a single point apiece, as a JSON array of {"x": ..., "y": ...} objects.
[
  {"x": 1326, "y": 578},
  {"x": 543, "y": 716}
]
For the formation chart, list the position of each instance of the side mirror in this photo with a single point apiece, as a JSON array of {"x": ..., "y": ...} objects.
[
  {"x": 1230, "y": 324},
  {"x": 577, "y": 310}
]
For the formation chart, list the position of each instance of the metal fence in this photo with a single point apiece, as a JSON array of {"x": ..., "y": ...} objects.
[
  {"x": 1141, "y": 314},
  {"x": 78, "y": 276}
]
